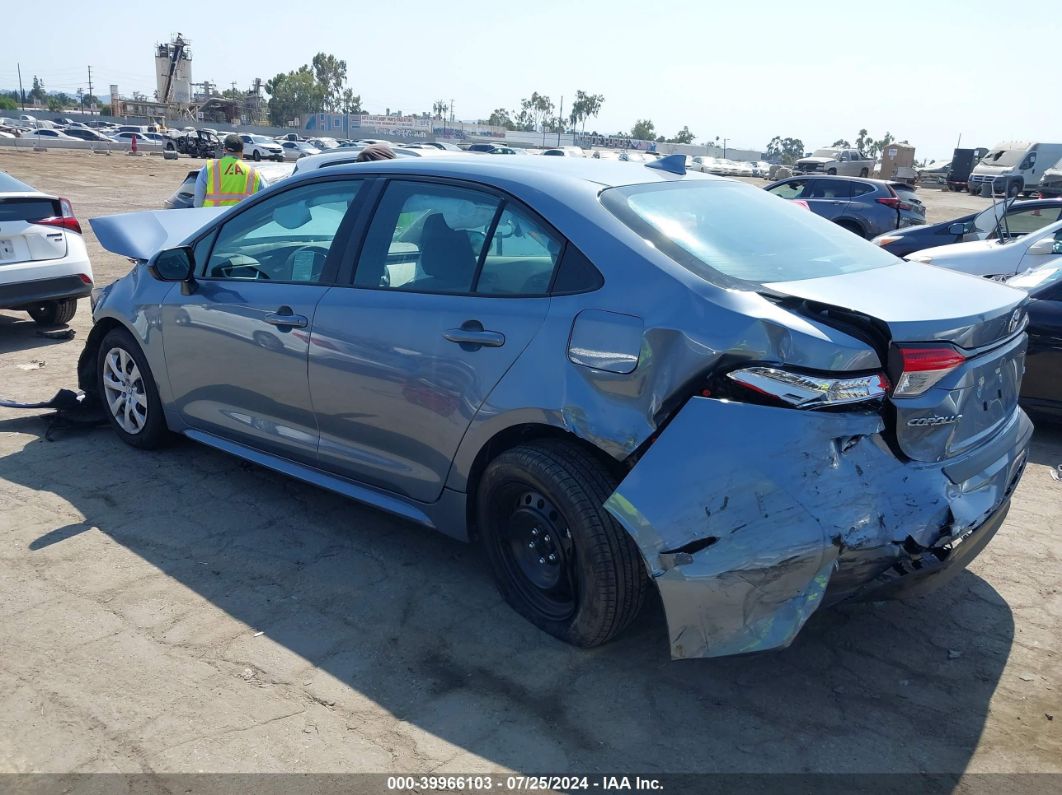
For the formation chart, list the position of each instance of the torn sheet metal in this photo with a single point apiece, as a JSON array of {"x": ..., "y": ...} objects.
[{"x": 749, "y": 518}]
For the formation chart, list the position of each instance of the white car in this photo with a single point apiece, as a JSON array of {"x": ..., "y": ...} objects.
[
  {"x": 324, "y": 144},
  {"x": 44, "y": 265},
  {"x": 261, "y": 147},
  {"x": 141, "y": 139},
  {"x": 294, "y": 150},
  {"x": 702, "y": 163},
  {"x": 44, "y": 134},
  {"x": 997, "y": 258}
]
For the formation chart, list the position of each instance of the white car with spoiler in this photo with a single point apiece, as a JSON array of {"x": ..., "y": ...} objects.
[{"x": 44, "y": 265}]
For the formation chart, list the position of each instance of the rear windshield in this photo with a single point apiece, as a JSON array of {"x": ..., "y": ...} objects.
[
  {"x": 741, "y": 232},
  {"x": 8, "y": 184},
  {"x": 12, "y": 209}
]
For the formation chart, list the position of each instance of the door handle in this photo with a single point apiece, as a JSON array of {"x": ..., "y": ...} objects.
[
  {"x": 473, "y": 333},
  {"x": 285, "y": 317}
]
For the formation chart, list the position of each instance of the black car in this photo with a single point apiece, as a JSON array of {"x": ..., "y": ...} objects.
[
  {"x": 1041, "y": 386},
  {"x": 1022, "y": 218},
  {"x": 867, "y": 207}
]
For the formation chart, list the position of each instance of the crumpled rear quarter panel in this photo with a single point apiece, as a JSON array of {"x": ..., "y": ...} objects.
[{"x": 746, "y": 515}]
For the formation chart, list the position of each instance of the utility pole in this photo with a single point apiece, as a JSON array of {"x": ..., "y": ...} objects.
[
  {"x": 560, "y": 122},
  {"x": 90, "y": 81},
  {"x": 21, "y": 90}
]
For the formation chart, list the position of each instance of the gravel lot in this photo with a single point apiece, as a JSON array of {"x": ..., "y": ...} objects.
[{"x": 183, "y": 611}]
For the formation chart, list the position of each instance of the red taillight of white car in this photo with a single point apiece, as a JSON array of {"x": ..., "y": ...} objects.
[
  {"x": 807, "y": 391},
  {"x": 923, "y": 367},
  {"x": 65, "y": 219}
]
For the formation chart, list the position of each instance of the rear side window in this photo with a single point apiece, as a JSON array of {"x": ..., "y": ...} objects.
[
  {"x": 731, "y": 230},
  {"x": 1023, "y": 222},
  {"x": 15, "y": 209},
  {"x": 861, "y": 189},
  {"x": 830, "y": 189}
]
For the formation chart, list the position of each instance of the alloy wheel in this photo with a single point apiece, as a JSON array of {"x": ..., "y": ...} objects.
[{"x": 124, "y": 391}]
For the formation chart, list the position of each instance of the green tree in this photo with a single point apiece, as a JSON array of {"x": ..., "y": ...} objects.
[
  {"x": 683, "y": 136},
  {"x": 293, "y": 95},
  {"x": 643, "y": 130},
  {"x": 6, "y": 103},
  {"x": 351, "y": 102},
  {"x": 37, "y": 92},
  {"x": 585, "y": 106},
  {"x": 786, "y": 150},
  {"x": 502, "y": 118},
  {"x": 331, "y": 75},
  {"x": 842, "y": 143},
  {"x": 539, "y": 108},
  {"x": 54, "y": 105},
  {"x": 439, "y": 109},
  {"x": 232, "y": 93}
]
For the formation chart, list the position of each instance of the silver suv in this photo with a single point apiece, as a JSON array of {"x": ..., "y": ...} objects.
[{"x": 845, "y": 162}]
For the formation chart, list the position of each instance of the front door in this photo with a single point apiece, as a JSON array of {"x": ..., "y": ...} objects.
[
  {"x": 236, "y": 347},
  {"x": 451, "y": 285}
]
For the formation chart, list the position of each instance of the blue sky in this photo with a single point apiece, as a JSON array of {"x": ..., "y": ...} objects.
[{"x": 817, "y": 71}]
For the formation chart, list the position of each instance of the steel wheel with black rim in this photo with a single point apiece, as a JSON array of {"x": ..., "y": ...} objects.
[
  {"x": 127, "y": 392},
  {"x": 558, "y": 557}
]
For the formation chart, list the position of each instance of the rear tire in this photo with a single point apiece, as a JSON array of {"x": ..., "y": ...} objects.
[
  {"x": 558, "y": 557},
  {"x": 852, "y": 227},
  {"x": 54, "y": 313},
  {"x": 863, "y": 172},
  {"x": 127, "y": 392}
]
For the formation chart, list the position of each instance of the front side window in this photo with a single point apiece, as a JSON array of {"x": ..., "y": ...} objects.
[
  {"x": 730, "y": 231},
  {"x": 793, "y": 189},
  {"x": 285, "y": 238}
]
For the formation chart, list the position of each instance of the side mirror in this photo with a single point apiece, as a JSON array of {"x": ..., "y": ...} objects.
[
  {"x": 1046, "y": 246},
  {"x": 173, "y": 265},
  {"x": 957, "y": 229}
]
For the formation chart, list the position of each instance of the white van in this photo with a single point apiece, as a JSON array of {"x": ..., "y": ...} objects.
[{"x": 1020, "y": 164}]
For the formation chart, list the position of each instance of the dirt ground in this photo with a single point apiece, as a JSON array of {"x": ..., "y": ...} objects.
[{"x": 183, "y": 611}]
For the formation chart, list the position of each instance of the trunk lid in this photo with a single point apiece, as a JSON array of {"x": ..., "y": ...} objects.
[
  {"x": 141, "y": 235},
  {"x": 910, "y": 305}
]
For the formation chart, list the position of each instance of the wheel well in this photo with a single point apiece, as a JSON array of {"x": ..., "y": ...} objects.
[
  {"x": 852, "y": 225},
  {"x": 515, "y": 436},
  {"x": 86, "y": 363}
]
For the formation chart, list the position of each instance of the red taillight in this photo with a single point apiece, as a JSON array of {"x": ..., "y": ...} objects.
[
  {"x": 895, "y": 202},
  {"x": 919, "y": 360},
  {"x": 924, "y": 367},
  {"x": 65, "y": 220},
  {"x": 85, "y": 278}
]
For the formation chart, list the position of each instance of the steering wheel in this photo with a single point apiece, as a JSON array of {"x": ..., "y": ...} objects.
[{"x": 320, "y": 254}]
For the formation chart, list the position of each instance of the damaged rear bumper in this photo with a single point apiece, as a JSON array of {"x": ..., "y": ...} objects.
[{"x": 750, "y": 518}]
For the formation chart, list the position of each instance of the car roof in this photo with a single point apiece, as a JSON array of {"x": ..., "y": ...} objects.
[{"x": 527, "y": 171}]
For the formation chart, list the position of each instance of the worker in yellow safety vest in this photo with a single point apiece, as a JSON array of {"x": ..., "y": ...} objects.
[{"x": 229, "y": 179}]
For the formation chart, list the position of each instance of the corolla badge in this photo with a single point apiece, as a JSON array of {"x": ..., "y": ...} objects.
[{"x": 922, "y": 422}]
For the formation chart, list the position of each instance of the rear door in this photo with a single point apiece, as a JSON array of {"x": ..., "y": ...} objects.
[
  {"x": 451, "y": 285},
  {"x": 829, "y": 197}
]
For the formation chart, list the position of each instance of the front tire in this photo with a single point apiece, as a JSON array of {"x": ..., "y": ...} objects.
[
  {"x": 53, "y": 313},
  {"x": 558, "y": 557},
  {"x": 256, "y": 156},
  {"x": 832, "y": 172},
  {"x": 128, "y": 393},
  {"x": 863, "y": 172}
]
